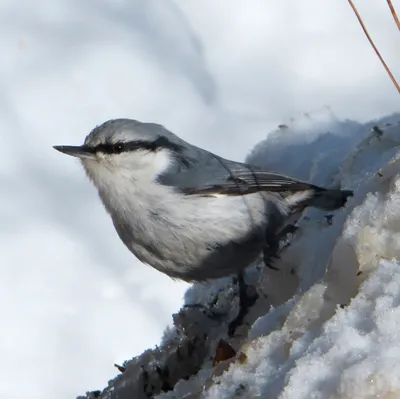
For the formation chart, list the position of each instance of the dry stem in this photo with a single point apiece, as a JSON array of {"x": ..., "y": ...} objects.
[
  {"x": 373, "y": 45},
  {"x": 393, "y": 11}
]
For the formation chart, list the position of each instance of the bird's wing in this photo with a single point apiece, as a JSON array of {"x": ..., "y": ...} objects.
[{"x": 242, "y": 182}]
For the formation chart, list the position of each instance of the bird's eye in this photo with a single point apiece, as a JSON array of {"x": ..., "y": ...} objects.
[{"x": 118, "y": 147}]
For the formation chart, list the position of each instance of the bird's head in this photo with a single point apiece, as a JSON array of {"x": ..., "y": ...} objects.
[{"x": 125, "y": 148}]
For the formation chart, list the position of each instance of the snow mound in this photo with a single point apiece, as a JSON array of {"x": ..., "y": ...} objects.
[{"x": 327, "y": 322}]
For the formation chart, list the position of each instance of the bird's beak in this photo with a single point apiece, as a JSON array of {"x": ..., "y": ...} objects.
[{"x": 75, "y": 151}]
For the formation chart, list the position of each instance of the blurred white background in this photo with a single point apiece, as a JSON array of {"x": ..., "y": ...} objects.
[{"x": 221, "y": 74}]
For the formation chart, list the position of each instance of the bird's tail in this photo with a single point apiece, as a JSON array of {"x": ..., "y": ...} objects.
[
  {"x": 330, "y": 200},
  {"x": 321, "y": 198}
]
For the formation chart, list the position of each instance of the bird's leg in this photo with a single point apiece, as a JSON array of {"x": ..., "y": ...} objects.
[
  {"x": 271, "y": 252},
  {"x": 206, "y": 308},
  {"x": 246, "y": 301}
]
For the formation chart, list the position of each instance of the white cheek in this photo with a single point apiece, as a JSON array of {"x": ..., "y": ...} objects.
[
  {"x": 161, "y": 160},
  {"x": 150, "y": 164},
  {"x": 141, "y": 165}
]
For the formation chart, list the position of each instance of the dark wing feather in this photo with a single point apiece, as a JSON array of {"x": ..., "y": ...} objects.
[{"x": 241, "y": 182}]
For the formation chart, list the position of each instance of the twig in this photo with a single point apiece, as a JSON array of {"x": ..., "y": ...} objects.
[
  {"x": 373, "y": 45},
  {"x": 392, "y": 10}
]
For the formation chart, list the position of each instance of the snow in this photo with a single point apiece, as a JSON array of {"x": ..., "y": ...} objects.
[
  {"x": 338, "y": 334},
  {"x": 222, "y": 76}
]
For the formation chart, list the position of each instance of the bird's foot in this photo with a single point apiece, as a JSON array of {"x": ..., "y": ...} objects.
[
  {"x": 289, "y": 229},
  {"x": 206, "y": 309},
  {"x": 270, "y": 263},
  {"x": 271, "y": 253},
  {"x": 211, "y": 308}
]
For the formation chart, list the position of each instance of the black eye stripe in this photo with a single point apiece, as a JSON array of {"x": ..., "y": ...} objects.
[{"x": 119, "y": 147}]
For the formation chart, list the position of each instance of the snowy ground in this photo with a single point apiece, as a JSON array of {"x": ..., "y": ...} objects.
[
  {"x": 328, "y": 324},
  {"x": 74, "y": 299},
  {"x": 339, "y": 338}
]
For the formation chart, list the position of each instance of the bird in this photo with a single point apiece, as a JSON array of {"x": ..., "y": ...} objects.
[{"x": 186, "y": 211}]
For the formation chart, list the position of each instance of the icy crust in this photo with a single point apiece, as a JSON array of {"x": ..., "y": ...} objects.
[{"x": 326, "y": 324}]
